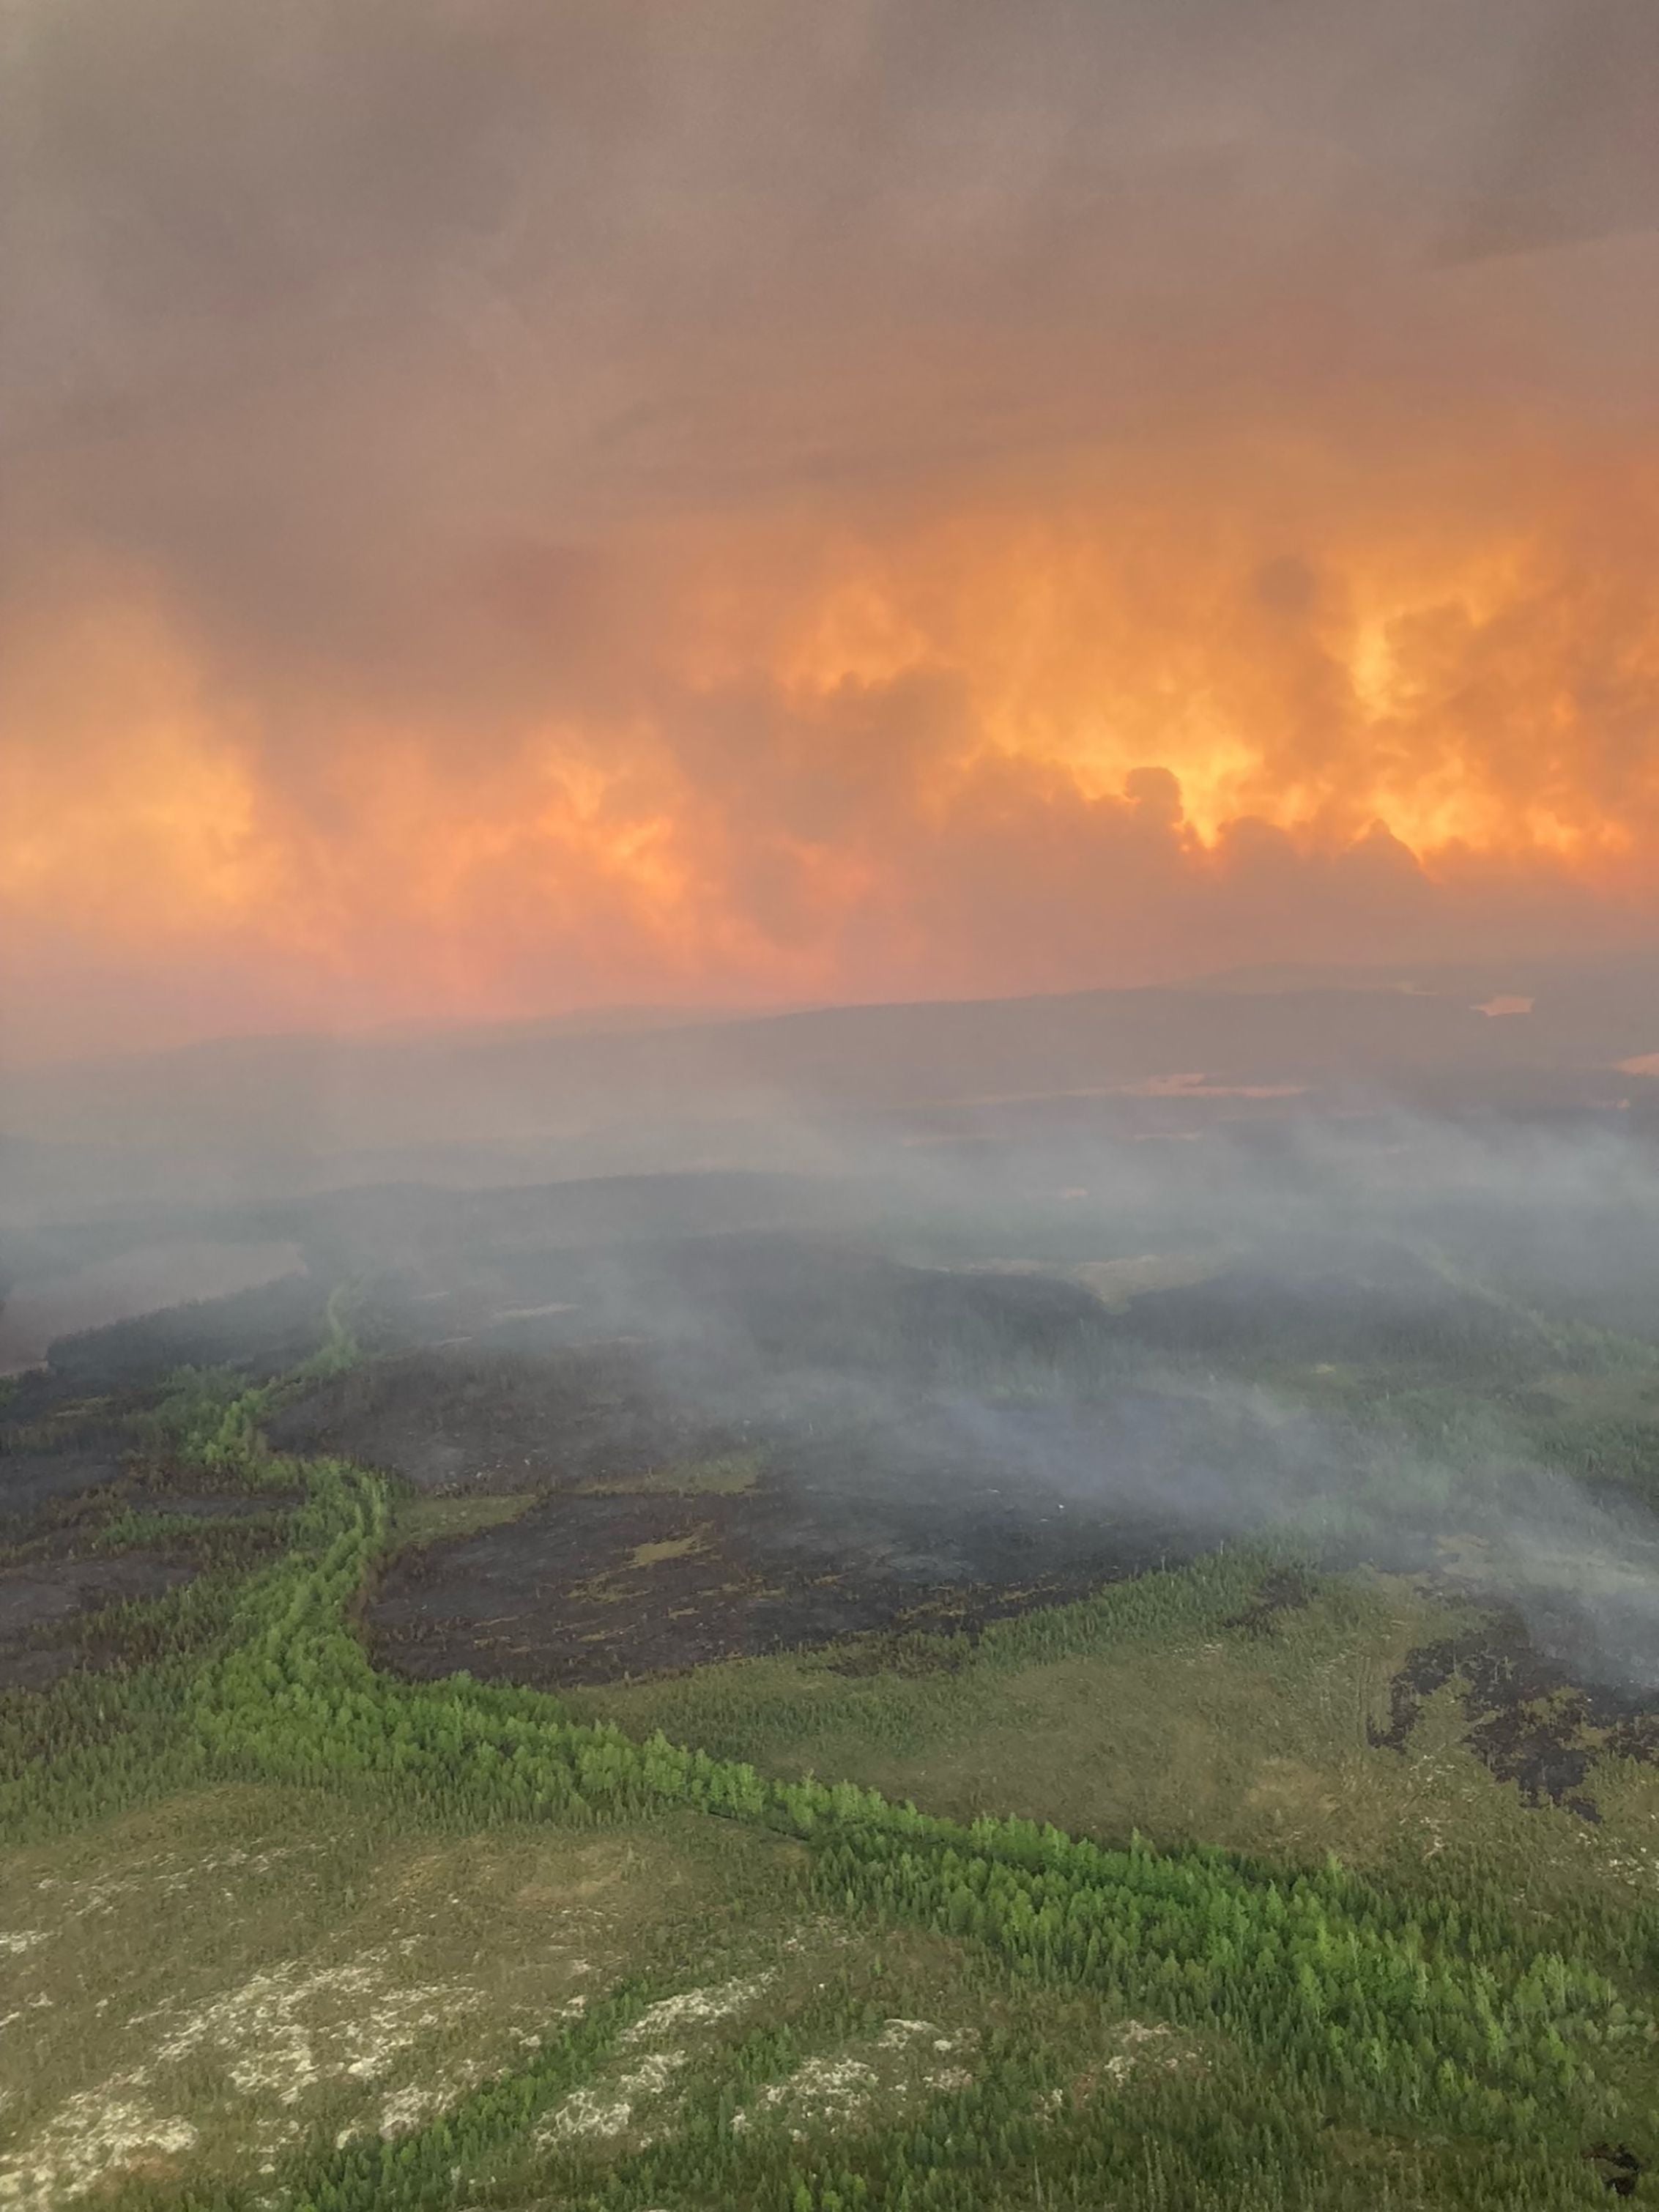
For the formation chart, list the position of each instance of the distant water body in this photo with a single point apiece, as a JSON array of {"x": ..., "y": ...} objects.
[{"x": 145, "y": 1280}]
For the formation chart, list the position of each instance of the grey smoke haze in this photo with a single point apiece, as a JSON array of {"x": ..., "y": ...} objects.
[
  {"x": 1475, "y": 1257},
  {"x": 311, "y": 305},
  {"x": 144, "y": 1279},
  {"x": 515, "y": 1103}
]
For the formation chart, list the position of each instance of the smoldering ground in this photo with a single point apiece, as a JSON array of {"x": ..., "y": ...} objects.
[{"x": 926, "y": 1386}]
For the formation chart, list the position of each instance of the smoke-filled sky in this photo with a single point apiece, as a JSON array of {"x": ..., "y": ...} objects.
[{"x": 509, "y": 507}]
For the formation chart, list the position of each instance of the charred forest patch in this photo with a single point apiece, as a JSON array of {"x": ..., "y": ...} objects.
[
  {"x": 1618, "y": 2166},
  {"x": 261, "y": 1332},
  {"x": 584, "y": 1590},
  {"x": 32, "y": 1480},
  {"x": 699, "y": 1509},
  {"x": 1525, "y": 1718},
  {"x": 1282, "y": 1589},
  {"x": 862, "y": 1542},
  {"x": 54, "y": 1612},
  {"x": 505, "y": 1419},
  {"x": 58, "y": 1446},
  {"x": 715, "y": 1497},
  {"x": 1376, "y": 1307}
]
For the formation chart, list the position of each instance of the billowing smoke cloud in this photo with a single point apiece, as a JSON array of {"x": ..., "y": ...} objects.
[{"x": 512, "y": 508}]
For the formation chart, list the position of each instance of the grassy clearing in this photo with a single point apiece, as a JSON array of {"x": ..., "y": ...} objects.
[
  {"x": 429, "y": 1519},
  {"x": 726, "y": 1475},
  {"x": 670, "y": 1547},
  {"x": 1173, "y": 1707},
  {"x": 1117, "y": 1283}
]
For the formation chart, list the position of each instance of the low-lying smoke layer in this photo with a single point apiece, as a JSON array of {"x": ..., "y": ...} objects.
[{"x": 927, "y": 1382}]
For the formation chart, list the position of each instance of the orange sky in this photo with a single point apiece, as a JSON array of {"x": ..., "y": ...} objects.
[{"x": 637, "y": 553}]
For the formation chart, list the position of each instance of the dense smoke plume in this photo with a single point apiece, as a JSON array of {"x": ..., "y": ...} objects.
[
  {"x": 512, "y": 508},
  {"x": 1383, "y": 1339}
]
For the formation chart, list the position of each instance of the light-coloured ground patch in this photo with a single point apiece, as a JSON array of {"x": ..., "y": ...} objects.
[
  {"x": 157, "y": 1876},
  {"x": 871, "y": 2078},
  {"x": 1147, "y": 2047},
  {"x": 608, "y": 2110},
  {"x": 726, "y": 1476},
  {"x": 631, "y": 2096},
  {"x": 253, "y": 2052},
  {"x": 694, "y": 2008},
  {"x": 207, "y": 1982},
  {"x": 1115, "y": 1283},
  {"x": 99, "y": 2132},
  {"x": 283, "y": 2030},
  {"x": 1134, "y": 2052}
]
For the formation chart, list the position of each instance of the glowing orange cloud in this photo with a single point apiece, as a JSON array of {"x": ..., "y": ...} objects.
[
  {"x": 1057, "y": 732},
  {"x": 1450, "y": 672},
  {"x": 769, "y": 502}
]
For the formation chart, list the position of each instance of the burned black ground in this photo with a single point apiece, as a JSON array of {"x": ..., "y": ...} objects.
[
  {"x": 1526, "y": 1717},
  {"x": 51, "y": 1610},
  {"x": 714, "y": 1443},
  {"x": 851, "y": 1509}
]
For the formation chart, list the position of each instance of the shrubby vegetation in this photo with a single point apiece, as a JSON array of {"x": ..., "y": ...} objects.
[{"x": 1427, "y": 2019}]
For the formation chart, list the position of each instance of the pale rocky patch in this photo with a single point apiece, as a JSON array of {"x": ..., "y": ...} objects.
[
  {"x": 610, "y": 2108},
  {"x": 605, "y": 2112},
  {"x": 274, "y": 2036},
  {"x": 90, "y": 2140},
  {"x": 163, "y": 1874},
  {"x": 282, "y": 2031},
  {"x": 819, "y": 1932},
  {"x": 823, "y": 2088},
  {"x": 1145, "y": 2048},
  {"x": 838, "y": 2086},
  {"x": 696, "y": 2009}
]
